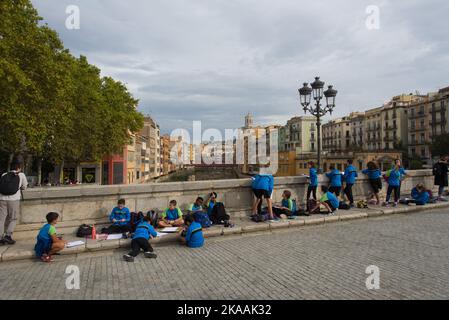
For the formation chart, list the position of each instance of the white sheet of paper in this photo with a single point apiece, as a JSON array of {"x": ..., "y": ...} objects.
[
  {"x": 114, "y": 236},
  {"x": 160, "y": 234},
  {"x": 74, "y": 244},
  {"x": 170, "y": 229}
]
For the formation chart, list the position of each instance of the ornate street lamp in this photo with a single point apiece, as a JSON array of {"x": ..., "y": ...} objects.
[{"x": 305, "y": 94}]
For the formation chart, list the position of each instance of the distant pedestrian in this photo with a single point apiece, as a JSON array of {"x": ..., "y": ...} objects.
[
  {"x": 374, "y": 176},
  {"x": 403, "y": 173},
  {"x": 393, "y": 177},
  {"x": 349, "y": 177},
  {"x": 12, "y": 184},
  {"x": 440, "y": 170}
]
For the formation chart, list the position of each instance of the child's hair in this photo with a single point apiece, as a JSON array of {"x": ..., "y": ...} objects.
[
  {"x": 372, "y": 165},
  {"x": 287, "y": 194},
  {"x": 312, "y": 164},
  {"x": 147, "y": 218},
  {"x": 52, "y": 216},
  {"x": 188, "y": 219},
  {"x": 121, "y": 201},
  {"x": 173, "y": 202},
  {"x": 350, "y": 161},
  {"x": 331, "y": 167},
  {"x": 199, "y": 199},
  {"x": 420, "y": 186},
  {"x": 214, "y": 194},
  {"x": 324, "y": 189}
]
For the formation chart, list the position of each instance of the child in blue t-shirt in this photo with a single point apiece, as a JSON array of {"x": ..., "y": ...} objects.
[
  {"x": 313, "y": 181},
  {"x": 120, "y": 218},
  {"x": 172, "y": 216},
  {"x": 393, "y": 178},
  {"x": 193, "y": 233},
  {"x": 48, "y": 243},
  {"x": 144, "y": 232}
]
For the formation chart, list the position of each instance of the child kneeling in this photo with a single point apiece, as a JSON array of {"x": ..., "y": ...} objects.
[
  {"x": 193, "y": 235},
  {"x": 144, "y": 232},
  {"x": 48, "y": 243}
]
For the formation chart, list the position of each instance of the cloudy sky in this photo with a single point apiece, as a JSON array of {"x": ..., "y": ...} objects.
[{"x": 215, "y": 60}]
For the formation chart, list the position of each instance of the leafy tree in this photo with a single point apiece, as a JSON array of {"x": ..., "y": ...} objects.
[{"x": 440, "y": 145}]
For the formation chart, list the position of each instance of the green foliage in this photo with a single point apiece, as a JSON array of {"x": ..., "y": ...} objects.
[
  {"x": 53, "y": 105},
  {"x": 440, "y": 145},
  {"x": 416, "y": 164}
]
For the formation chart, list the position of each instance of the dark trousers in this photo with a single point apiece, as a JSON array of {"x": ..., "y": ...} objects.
[
  {"x": 348, "y": 192},
  {"x": 335, "y": 190},
  {"x": 140, "y": 243},
  {"x": 117, "y": 229},
  {"x": 311, "y": 190},
  {"x": 396, "y": 193}
]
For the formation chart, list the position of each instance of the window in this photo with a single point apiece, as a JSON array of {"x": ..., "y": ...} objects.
[{"x": 423, "y": 152}]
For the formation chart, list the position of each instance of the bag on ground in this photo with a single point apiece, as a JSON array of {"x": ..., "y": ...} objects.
[
  {"x": 136, "y": 218},
  {"x": 260, "y": 217},
  {"x": 202, "y": 218},
  {"x": 219, "y": 215},
  {"x": 84, "y": 230},
  {"x": 344, "y": 206}
]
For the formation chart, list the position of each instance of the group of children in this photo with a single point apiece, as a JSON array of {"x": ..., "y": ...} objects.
[
  {"x": 263, "y": 187},
  {"x": 49, "y": 244}
]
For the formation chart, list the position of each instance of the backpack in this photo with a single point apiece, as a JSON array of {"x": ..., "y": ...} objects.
[
  {"x": 9, "y": 184},
  {"x": 154, "y": 217},
  {"x": 344, "y": 206},
  {"x": 84, "y": 230},
  {"x": 260, "y": 217},
  {"x": 219, "y": 215},
  {"x": 136, "y": 218},
  {"x": 311, "y": 203},
  {"x": 362, "y": 204},
  {"x": 202, "y": 218}
]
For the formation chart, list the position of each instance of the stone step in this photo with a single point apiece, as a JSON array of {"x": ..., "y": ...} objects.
[{"x": 24, "y": 249}]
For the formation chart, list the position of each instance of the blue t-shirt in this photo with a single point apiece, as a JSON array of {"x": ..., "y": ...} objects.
[
  {"x": 119, "y": 214},
  {"x": 194, "y": 235},
  {"x": 394, "y": 178},
  {"x": 329, "y": 196},
  {"x": 210, "y": 207},
  {"x": 172, "y": 215},
  {"x": 335, "y": 178},
  {"x": 350, "y": 174},
  {"x": 263, "y": 182},
  {"x": 372, "y": 174},
  {"x": 313, "y": 177},
  {"x": 144, "y": 230}
]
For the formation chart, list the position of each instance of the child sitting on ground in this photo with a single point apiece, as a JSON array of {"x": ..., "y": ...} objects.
[
  {"x": 193, "y": 233},
  {"x": 196, "y": 206},
  {"x": 120, "y": 218},
  {"x": 144, "y": 232},
  {"x": 420, "y": 195},
  {"x": 172, "y": 216},
  {"x": 329, "y": 200},
  {"x": 288, "y": 206},
  {"x": 48, "y": 243}
]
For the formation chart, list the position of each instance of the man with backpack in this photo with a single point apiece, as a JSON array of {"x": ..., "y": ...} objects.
[{"x": 12, "y": 184}]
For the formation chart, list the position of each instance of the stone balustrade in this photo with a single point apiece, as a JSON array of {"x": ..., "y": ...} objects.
[{"x": 83, "y": 203}]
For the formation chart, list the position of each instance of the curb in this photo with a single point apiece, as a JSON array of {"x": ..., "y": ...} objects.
[{"x": 95, "y": 246}]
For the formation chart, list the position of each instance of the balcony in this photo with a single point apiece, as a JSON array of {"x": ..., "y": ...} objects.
[
  {"x": 437, "y": 122},
  {"x": 420, "y": 114},
  {"x": 389, "y": 139},
  {"x": 390, "y": 127},
  {"x": 417, "y": 143}
]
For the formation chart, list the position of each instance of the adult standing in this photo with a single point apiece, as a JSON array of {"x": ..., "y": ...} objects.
[
  {"x": 440, "y": 171},
  {"x": 11, "y": 185}
]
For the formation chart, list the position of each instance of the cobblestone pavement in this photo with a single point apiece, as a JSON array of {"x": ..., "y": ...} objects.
[{"x": 322, "y": 262}]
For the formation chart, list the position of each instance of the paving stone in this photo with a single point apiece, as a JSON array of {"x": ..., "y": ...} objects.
[
  {"x": 330, "y": 219},
  {"x": 256, "y": 227},
  {"x": 296, "y": 223},
  {"x": 312, "y": 221},
  {"x": 230, "y": 231},
  {"x": 352, "y": 216},
  {"x": 212, "y": 232}
]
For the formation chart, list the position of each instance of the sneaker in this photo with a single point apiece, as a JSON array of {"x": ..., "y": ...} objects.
[
  {"x": 385, "y": 204},
  {"x": 8, "y": 240},
  {"x": 351, "y": 205},
  {"x": 128, "y": 258},
  {"x": 150, "y": 255},
  {"x": 395, "y": 204},
  {"x": 46, "y": 258}
]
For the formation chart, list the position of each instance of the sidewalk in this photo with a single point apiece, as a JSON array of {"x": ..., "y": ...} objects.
[{"x": 24, "y": 249}]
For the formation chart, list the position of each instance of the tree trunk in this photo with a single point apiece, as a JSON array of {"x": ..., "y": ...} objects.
[
  {"x": 10, "y": 158},
  {"x": 61, "y": 173},
  {"x": 39, "y": 171}
]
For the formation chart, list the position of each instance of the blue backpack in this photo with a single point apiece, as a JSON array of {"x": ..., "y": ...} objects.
[{"x": 202, "y": 218}]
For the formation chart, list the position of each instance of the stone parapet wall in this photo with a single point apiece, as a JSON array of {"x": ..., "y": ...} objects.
[{"x": 79, "y": 203}]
